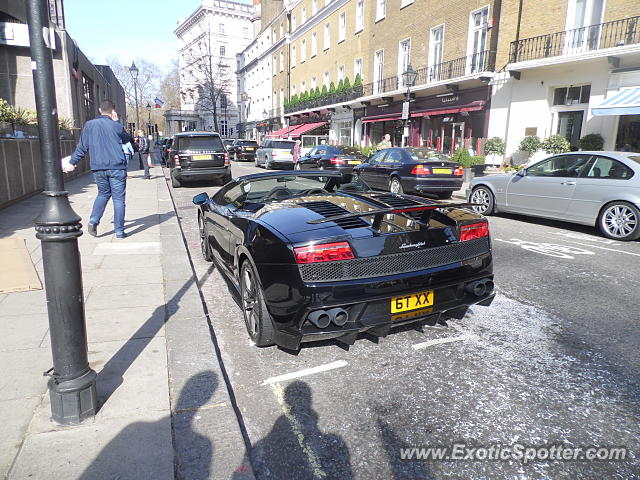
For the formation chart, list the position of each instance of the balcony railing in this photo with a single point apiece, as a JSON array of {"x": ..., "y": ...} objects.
[
  {"x": 459, "y": 67},
  {"x": 579, "y": 40}
]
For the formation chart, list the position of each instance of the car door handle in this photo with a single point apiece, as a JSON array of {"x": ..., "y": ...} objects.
[{"x": 568, "y": 183}]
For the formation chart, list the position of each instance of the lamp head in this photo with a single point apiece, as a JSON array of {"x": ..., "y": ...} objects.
[
  {"x": 410, "y": 76},
  {"x": 133, "y": 70}
]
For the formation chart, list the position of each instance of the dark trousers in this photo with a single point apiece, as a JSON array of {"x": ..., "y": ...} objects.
[{"x": 143, "y": 163}]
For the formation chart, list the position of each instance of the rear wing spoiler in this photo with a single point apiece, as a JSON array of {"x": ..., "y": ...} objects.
[{"x": 378, "y": 215}]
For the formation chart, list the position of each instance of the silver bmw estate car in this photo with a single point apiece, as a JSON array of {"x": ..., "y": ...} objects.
[{"x": 591, "y": 188}]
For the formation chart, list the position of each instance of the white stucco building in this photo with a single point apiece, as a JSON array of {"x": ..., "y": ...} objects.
[{"x": 208, "y": 42}]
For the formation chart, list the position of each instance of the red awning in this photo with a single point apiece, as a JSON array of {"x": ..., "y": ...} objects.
[
  {"x": 382, "y": 118},
  {"x": 279, "y": 133},
  {"x": 298, "y": 130},
  {"x": 471, "y": 107}
]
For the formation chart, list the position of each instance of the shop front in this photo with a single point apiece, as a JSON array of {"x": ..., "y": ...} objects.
[
  {"x": 624, "y": 105},
  {"x": 443, "y": 122}
]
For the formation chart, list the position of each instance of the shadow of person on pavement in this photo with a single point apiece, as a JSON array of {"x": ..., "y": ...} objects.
[
  {"x": 401, "y": 469},
  {"x": 295, "y": 447},
  {"x": 143, "y": 450}
]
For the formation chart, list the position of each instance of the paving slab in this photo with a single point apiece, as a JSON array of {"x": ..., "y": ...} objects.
[
  {"x": 123, "y": 296},
  {"x": 16, "y": 415},
  {"x": 20, "y": 332}
]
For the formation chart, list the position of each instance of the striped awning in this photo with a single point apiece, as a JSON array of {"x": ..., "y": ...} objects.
[{"x": 625, "y": 102}]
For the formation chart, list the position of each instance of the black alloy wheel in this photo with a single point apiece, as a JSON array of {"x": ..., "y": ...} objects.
[
  {"x": 205, "y": 247},
  {"x": 256, "y": 316}
]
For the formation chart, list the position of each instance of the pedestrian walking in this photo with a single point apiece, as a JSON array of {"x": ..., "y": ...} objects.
[
  {"x": 384, "y": 143},
  {"x": 143, "y": 153},
  {"x": 127, "y": 148},
  {"x": 103, "y": 138},
  {"x": 297, "y": 151}
]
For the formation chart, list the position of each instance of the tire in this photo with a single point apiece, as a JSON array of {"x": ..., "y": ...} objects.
[
  {"x": 266, "y": 164},
  {"x": 395, "y": 186},
  {"x": 205, "y": 247},
  {"x": 175, "y": 183},
  {"x": 620, "y": 221},
  {"x": 444, "y": 195},
  {"x": 256, "y": 316},
  {"x": 484, "y": 197}
]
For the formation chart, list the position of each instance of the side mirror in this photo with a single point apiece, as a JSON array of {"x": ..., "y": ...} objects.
[
  {"x": 201, "y": 199},
  {"x": 522, "y": 172}
]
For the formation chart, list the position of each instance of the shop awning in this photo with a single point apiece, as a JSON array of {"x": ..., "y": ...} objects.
[
  {"x": 382, "y": 118},
  {"x": 279, "y": 133},
  {"x": 297, "y": 130},
  {"x": 625, "y": 102},
  {"x": 471, "y": 107}
]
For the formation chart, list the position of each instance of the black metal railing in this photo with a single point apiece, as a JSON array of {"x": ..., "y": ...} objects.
[
  {"x": 328, "y": 99},
  {"x": 459, "y": 67},
  {"x": 579, "y": 40}
]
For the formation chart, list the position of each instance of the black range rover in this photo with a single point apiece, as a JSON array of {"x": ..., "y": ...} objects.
[{"x": 198, "y": 156}]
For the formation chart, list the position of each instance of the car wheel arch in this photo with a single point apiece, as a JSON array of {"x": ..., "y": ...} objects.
[
  {"x": 607, "y": 203},
  {"x": 492, "y": 189}
]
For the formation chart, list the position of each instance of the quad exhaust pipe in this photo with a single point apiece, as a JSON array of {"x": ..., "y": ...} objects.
[
  {"x": 322, "y": 318},
  {"x": 481, "y": 287}
]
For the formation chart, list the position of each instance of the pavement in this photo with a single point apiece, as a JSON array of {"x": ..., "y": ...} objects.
[{"x": 165, "y": 408}]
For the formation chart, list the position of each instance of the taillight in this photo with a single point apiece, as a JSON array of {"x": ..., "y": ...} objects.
[
  {"x": 473, "y": 231},
  {"x": 421, "y": 170},
  {"x": 226, "y": 159},
  {"x": 273, "y": 154},
  {"x": 176, "y": 160},
  {"x": 337, "y": 161},
  {"x": 326, "y": 252},
  {"x": 458, "y": 171}
]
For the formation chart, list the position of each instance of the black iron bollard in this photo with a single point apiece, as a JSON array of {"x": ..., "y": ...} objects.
[{"x": 72, "y": 386}]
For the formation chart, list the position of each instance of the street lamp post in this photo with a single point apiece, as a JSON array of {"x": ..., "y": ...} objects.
[
  {"x": 243, "y": 97},
  {"x": 72, "y": 383},
  {"x": 149, "y": 120},
  {"x": 133, "y": 70},
  {"x": 266, "y": 123},
  {"x": 409, "y": 79}
]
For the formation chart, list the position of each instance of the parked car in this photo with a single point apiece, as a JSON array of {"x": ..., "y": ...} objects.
[
  {"x": 198, "y": 156},
  {"x": 314, "y": 259},
  {"x": 275, "y": 153},
  {"x": 416, "y": 170},
  {"x": 166, "y": 148},
  {"x": 228, "y": 143},
  {"x": 244, "y": 150},
  {"x": 599, "y": 189},
  {"x": 331, "y": 157}
]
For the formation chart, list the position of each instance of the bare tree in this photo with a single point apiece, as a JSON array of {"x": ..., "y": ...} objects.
[
  {"x": 170, "y": 87},
  {"x": 207, "y": 74}
]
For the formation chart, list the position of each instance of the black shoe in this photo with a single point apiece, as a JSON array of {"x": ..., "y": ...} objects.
[
  {"x": 92, "y": 229},
  {"x": 121, "y": 235}
]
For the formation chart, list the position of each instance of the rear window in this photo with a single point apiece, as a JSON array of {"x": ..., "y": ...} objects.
[
  {"x": 248, "y": 143},
  {"x": 283, "y": 145},
  {"x": 422, "y": 154},
  {"x": 348, "y": 150},
  {"x": 199, "y": 143}
]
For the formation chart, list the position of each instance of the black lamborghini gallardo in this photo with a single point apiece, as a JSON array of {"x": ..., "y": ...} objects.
[{"x": 313, "y": 258}]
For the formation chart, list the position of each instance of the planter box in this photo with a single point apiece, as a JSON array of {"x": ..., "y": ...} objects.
[{"x": 478, "y": 170}]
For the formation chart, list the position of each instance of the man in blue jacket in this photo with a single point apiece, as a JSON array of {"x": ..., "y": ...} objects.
[{"x": 103, "y": 138}]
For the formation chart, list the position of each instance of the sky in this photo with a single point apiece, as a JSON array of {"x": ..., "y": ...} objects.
[{"x": 127, "y": 29}]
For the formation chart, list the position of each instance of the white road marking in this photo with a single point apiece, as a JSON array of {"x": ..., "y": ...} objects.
[
  {"x": 549, "y": 249},
  {"x": 305, "y": 372},
  {"x": 311, "y": 454},
  {"x": 586, "y": 238},
  {"x": 439, "y": 341},
  {"x": 605, "y": 248}
]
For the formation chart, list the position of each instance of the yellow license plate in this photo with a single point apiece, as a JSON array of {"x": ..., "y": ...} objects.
[
  {"x": 202, "y": 157},
  {"x": 412, "y": 302},
  {"x": 354, "y": 162},
  {"x": 442, "y": 170},
  {"x": 249, "y": 149}
]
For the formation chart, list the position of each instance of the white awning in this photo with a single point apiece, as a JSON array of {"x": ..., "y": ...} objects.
[{"x": 625, "y": 102}]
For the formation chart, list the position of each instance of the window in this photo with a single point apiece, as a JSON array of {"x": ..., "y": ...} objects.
[
  {"x": 223, "y": 128},
  {"x": 293, "y": 22},
  {"x": 341, "y": 72},
  {"x": 221, "y": 28},
  {"x": 87, "y": 98},
  {"x": 360, "y": 16},
  {"x": 303, "y": 17},
  {"x": 609, "y": 168},
  {"x": 314, "y": 7},
  {"x": 327, "y": 36},
  {"x": 436, "y": 44},
  {"x": 275, "y": 36},
  {"x": 281, "y": 30},
  {"x": 477, "y": 43},
  {"x": 378, "y": 71},
  {"x": 275, "y": 68},
  {"x": 303, "y": 51},
  {"x": 245, "y": 32},
  {"x": 357, "y": 68},
  {"x": 342, "y": 27},
  {"x": 293, "y": 56},
  {"x": 223, "y": 50},
  {"x": 282, "y": 61},
  {"x": 404, "y": 59},
  {"x": 381, "y": 9},
  {"x": 303, "y": 87},
  {"x": 571, "y": 95},
  {"x": 325, "y": 79},
  {"x": 314, "y": 44},
  {"x": 223, "y": 101},
  {"x": 560, "y": 166},
  {"x": 570, "y": 126},
  {"x": 293, "y": 90},
  {"x": 314, "y": 83}
]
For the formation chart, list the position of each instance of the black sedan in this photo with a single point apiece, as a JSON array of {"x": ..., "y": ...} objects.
[
  {"x": 244, "y": 150},
  {"x": 331, "y": 157},
  {"x": 314, "y": 259},
  {"x": 416, "y": 170}
]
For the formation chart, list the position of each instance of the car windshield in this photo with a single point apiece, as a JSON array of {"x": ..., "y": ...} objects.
[
  {"x": 199, "y": 143},
  {"x": 283, "y": 145},
  {"x": 426, "y": 154},
  {"x": 248, "y": 143}
]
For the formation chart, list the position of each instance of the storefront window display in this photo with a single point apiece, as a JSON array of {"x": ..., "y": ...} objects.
[{"x": 628, "y": 139}]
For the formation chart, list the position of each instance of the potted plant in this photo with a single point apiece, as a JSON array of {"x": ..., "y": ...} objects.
[
  {"x": 357, "y": 85},
  {"x": 471, "y": 164},
  {"x": 592, "y": 142},
  {"x": 494, "y": 149},
  {"x": 556, "y": 144}
]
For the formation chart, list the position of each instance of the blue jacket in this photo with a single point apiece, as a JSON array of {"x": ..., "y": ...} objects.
[{"x": 103, "y": 139}]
